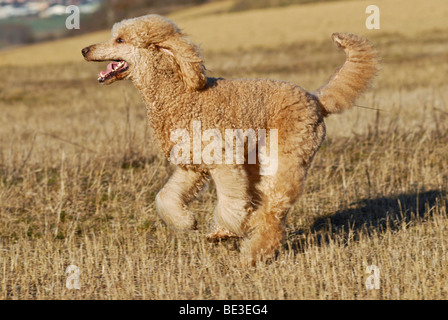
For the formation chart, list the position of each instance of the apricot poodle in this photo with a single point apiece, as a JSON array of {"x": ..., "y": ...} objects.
[{"x": 168, "y": 71}]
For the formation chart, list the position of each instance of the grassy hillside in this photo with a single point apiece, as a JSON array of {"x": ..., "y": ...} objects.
[
  {"x": 218, "y": 29},
  {"x": 79, "y": 172}
]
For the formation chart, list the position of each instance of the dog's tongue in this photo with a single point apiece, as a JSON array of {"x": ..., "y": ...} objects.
[{"x": 110, "y": 68}]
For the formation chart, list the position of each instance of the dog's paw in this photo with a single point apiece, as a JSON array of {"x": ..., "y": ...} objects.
[{"x": 220, "y": 234}]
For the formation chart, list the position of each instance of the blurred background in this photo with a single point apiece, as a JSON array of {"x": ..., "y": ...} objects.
[{"x": 29, "y": 21}]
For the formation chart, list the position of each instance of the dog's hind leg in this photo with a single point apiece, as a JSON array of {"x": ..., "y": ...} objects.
[
  {"x": 266, "y": 225},
  {"x": 302, "y": 132},
  {"x": 172, "y": 201}
]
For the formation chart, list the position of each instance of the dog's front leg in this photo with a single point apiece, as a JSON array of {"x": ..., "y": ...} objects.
[
  {"x": 172, "y": 201},
  {"x": 234, "y": 202}
]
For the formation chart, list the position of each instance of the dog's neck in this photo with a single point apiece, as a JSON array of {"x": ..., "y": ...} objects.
[
  {"x": 162, "y": 92},
  {"x": 159, "y": 89}
]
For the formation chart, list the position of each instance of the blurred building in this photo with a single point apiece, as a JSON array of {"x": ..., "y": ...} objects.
[{"x": 41, "y": 8}]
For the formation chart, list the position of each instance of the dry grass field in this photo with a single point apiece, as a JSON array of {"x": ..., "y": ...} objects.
[{"x": 79, "y": 173}]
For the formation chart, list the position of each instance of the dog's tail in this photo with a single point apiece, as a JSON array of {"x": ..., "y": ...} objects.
[{"x": 349, "y": 81}]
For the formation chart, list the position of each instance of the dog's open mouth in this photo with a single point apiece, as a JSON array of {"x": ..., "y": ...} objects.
[{"x": 114, "y": 69}]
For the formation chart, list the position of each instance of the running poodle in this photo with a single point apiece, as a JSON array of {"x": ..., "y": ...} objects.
[{"x": 252, "y": 204}]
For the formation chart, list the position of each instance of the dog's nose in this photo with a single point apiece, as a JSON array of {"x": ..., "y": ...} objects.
[{"x": 85, "y": 51}]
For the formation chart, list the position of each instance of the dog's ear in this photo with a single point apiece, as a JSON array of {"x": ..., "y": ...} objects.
[{"x": 188, "y": 59}]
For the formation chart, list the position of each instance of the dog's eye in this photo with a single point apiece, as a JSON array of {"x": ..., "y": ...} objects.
[{"x": 119, "y": 40}]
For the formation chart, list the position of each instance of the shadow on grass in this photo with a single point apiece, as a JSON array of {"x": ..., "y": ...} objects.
[{"x": 367, "y": 216}]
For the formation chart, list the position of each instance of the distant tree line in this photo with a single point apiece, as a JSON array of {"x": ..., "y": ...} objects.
[{"x": 15, "y": 34}]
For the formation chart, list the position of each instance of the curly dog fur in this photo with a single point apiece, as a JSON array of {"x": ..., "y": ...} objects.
[{"x": 168, "y": 71}]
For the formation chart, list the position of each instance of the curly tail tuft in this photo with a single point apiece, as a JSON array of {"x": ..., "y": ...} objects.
[{"x": 349, "y": 81}]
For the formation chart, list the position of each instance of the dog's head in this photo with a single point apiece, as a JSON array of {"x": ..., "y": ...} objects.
[{"x": 139, "y": 42}]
